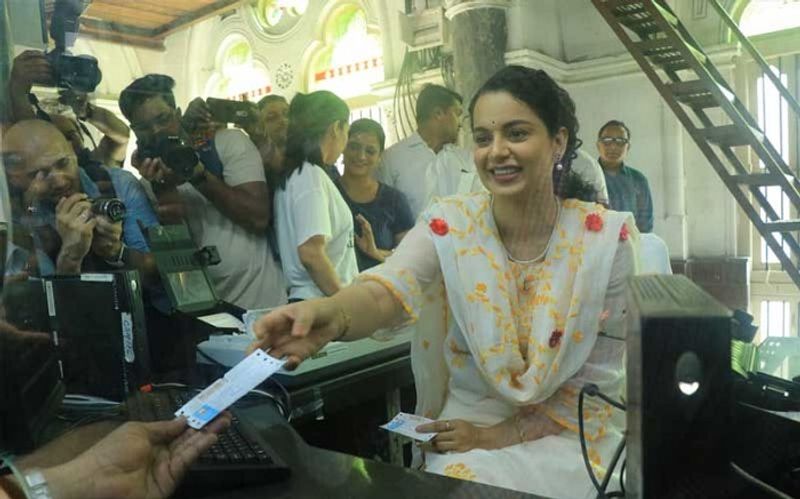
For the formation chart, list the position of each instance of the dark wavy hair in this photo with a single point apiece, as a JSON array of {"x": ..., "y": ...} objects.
[
  {"x": 554, "y": 106},
  {"x": 144, "y": 88},
  {"x": 366, "y": 125},
  {"x": 310, "y": 115}
]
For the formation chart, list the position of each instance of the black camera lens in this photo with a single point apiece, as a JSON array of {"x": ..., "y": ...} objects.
[
  {"x": 112, "y": 208},
  {"x": 177, "y": 156},
  {"x": 78, "y": 72}
]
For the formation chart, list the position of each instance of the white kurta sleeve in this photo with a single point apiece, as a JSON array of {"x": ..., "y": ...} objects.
[{"x": 410, "y": 271}]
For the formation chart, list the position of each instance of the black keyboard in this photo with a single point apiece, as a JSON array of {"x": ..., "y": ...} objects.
[{"x": 240, "y": 458}]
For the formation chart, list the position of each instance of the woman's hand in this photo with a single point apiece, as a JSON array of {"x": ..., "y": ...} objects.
[
  {"x": 299, "y": 330},
  {"x": 460, "y": 436},
  {"x": 366, "y": 241},
  {"x": 453, "y": 435}
]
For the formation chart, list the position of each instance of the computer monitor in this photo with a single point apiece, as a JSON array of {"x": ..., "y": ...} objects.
[{"x": 679, "y": 397}]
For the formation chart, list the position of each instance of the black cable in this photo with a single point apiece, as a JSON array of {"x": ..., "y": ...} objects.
[
  {"x": 610, "y": 469},
  {"x": 212, "y": 359},
  {"x": 287, "y": 396},
  {"x": 592, "y": 390},
  {"x": 582, "y": 437},
  {"x": 765, "y": 487}
]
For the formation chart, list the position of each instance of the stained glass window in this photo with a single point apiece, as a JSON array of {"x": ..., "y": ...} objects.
[
  {"x": 238, "y": 75},
  {"x": 351, "y": 59}
]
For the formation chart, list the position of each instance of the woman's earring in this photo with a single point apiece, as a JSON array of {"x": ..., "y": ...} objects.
[{"x": 557, "y": 161}]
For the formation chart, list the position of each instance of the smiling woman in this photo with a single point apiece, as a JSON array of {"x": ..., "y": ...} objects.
[
  {"x": 509, "y": 289},
  {"x": 382, "y": 214}
]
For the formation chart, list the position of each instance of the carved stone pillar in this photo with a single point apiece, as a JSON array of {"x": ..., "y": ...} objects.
[
  {"x": 479, "y": 38},
  {"x": 6, "y": 54}
]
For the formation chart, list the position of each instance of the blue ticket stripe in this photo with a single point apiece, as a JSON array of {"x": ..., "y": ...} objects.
[{"x": 206, "y": 413}]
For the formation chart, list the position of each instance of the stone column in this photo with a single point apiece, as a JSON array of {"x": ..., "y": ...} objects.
[
  {"x": 674, "y": 231},
  {"x": 479, "y": 37},
  {"x": 6, "y": 55}
]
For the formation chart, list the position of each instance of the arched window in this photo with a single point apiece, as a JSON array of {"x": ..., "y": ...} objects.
[
  {"x": 766, "y": 16},
  {"x": 350, "y": 59},
  {"x": 238, "y": 75},
  {"x": 275, "y": 17},
  {"x": 347, "y": 61}
]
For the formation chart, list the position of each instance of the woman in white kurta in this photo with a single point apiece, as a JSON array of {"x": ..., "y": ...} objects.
[{"x": 510, "y": 290}]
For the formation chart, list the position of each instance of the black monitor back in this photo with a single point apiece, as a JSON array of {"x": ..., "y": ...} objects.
[
  {"x": 679, "y": 404},
  {"x": 98, "y": 327}
]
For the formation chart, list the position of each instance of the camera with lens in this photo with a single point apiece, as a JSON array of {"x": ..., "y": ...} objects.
[
  {"x": 178, "y": 157},
  {"x": 78, "y": 72},
  {"x": 112, "y": 208},
  {"x": 240, "y": 113}
]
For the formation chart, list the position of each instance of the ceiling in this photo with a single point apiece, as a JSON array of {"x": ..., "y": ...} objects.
[{"x": 146, "y": 23}]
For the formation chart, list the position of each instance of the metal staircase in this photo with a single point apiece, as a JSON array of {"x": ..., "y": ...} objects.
[{"x": 695, "y": 91}]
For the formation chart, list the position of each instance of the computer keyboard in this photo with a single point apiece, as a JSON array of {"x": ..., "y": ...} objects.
[{"x": 240, "y": 458}]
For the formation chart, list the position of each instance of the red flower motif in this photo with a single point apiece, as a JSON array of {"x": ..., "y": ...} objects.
[
  {"x": 594, "y": 222},
  {"x": 623, "y": 233},
  {"x": 439, "y": 227},
  {"x": 555, "y": 338}
]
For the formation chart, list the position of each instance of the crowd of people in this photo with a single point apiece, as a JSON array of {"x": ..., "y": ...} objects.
[{"x": 511, "y": 258}]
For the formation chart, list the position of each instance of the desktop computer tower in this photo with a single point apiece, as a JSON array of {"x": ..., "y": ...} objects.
[
  {"x": 98, "y": 325},
  {"x": 679, "y": 402}
]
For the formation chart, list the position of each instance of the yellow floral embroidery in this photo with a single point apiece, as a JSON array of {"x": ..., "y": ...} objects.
[
  {"x": 459, "y": 470},
  {"x": 426, "y": 344},
  {"x": 577, "y": 336},
  {"x": 514, "y": 381},
  {"x": 405, "y": 299},
  {"x": 594, "y": 456},
  {"x": 480, "y": 287}
]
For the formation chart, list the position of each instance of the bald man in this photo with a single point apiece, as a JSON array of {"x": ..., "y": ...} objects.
[{"x": 51, "y": 197}]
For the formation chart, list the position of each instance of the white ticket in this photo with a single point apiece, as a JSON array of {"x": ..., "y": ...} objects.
[
  {"x": 405, "y": 424},
  {"x": 235, "y": 384}
]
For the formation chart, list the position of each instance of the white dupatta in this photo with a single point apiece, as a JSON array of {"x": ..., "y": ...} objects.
[{"x": 570, "y": 290}]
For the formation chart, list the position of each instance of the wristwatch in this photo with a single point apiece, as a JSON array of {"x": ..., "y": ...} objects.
[
  {"x": 36, "y": 485},
  {"x": 32, "y": 482},
  {"x": 120, "y": 261}
]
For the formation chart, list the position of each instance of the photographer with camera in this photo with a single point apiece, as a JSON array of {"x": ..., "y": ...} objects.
[
  {"x": 59, "y": 204},
  {"x": 33, "y": 67},
  {"x": 217, "y": 186}
]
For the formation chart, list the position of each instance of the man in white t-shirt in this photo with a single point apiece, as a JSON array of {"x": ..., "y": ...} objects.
[
  {"x": 428, "y": 163},
  {"x": 224, "y": 201}
]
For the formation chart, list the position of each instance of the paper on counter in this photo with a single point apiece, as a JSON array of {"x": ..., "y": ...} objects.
[
  {"x": 405, "y": 424},
  {"x": 223, "y": 320}
]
